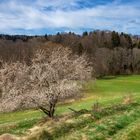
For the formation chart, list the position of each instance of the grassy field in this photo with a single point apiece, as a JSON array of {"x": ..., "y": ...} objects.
[{"x": 116, "y": 120}]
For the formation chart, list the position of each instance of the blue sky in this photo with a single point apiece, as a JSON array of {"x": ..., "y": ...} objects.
[{"x": 52, "y": 16}]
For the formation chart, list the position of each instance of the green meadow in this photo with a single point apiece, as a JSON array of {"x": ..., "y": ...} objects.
[{"x": 118, "y": 98}]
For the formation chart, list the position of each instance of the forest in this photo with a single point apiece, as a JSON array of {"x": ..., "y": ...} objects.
[{"x": 111, "y": 53}]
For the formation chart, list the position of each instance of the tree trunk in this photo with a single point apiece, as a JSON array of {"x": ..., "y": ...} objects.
[{"x": 50, "y": 111}]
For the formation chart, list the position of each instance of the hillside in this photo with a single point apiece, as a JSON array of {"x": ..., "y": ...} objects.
[{"x": 110, "y": 109}]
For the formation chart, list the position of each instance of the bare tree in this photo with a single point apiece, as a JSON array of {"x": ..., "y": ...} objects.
[{"x": 49, "y": 79}]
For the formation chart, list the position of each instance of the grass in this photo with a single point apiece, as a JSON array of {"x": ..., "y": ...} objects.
[
  {"x": 119, "y": 85},
  {"x": 108, "y": 92},
  {"x": 132, "y": 132},
  {"x": 105, "y": 127}
]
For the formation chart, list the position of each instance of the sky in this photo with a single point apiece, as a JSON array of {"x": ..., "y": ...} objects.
[{"x": 39, "y": 17}]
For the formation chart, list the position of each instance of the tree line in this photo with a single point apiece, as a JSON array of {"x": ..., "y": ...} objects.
[{"x": 111, "y": 53}]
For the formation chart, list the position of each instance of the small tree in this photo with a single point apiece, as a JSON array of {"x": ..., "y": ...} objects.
[
  {"x": 85, "y": 33},
  {"x": 49, "y": 79},
  {"x": 115, "y": 39},
  {"x": 139, "y": 45}
]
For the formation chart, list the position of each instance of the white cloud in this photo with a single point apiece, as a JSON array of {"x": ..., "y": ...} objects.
[
  {"x": 57, "y": 4},
  {"x": 113, "y": 16}
]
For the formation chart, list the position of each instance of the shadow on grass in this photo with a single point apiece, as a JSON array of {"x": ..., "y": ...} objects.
[
  {"x": 107, "y": 77},
  {"x": 114, "y": 76}
]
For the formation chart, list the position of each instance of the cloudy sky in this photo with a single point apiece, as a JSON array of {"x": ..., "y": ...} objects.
[{"x": 52, "y": 16}]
